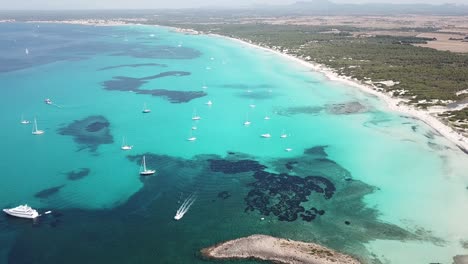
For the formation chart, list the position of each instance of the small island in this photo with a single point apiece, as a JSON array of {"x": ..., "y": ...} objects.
[{"x": 277, "y": 250}]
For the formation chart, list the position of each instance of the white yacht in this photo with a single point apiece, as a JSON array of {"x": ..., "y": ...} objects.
[
  {"x": 266, "y": 118},
  {"x": 36, "y": 131},
  {"x": 288, "y": 149},
  {"x": 48, "y": 101},
  {"x": 145, "y": 109},
  {"x": 143, "y": 170},
  {"x": 23, "y": 211},
  {"x": 24, "y": 121},
  {"x": 125, "y": 146},
  {"x": 209, "y": 103},
  {"x": 266, "y": 135}
]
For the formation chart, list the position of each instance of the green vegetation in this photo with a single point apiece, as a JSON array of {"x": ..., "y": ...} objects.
[{"x": 458, "y": 119}]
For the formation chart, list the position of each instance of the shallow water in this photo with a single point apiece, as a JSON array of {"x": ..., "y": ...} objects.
[{"x": 400, "y": 186}]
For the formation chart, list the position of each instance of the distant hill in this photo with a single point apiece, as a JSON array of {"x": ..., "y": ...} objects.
[{"x": 325, "y": 7}]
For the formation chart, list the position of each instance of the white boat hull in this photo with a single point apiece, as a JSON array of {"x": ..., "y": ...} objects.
[
  {"x": 147, "y": 172},
  {"x": 15, "y": 214}
]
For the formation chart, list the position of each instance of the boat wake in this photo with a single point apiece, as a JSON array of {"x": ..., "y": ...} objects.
[{"x": 185, "y": 206}]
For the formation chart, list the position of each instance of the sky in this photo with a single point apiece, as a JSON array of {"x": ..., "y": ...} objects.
[{"x": 134, "y": 4}]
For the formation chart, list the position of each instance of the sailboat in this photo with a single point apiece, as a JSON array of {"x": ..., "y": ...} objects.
[
  {"x": 125, "y": 146},
  {"x": 24, "y": 121},
  {"x": 191, "y": 138},
  {"x": 36, "y": 131},
  {"x": 195, "y": 116},
  {"x": 283, "y": 135},
  {"x": 247, "y": 122},
  {"x": 143, "y": 170},
  {"x": 145, "y": 109}
]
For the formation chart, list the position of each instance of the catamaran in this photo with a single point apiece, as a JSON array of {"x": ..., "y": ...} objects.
[
  {"x": 125, "y": 146},
  {"x": 24, "y": 121},
  {"x": 143, "y": 170},
  {"x": 145, "y": 109},
  {"x": 23, "y": 211},
  {"x": 36, "y": 131}
]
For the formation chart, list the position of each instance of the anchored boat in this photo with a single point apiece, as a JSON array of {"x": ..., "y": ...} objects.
[{"x": 23, "y": 211}]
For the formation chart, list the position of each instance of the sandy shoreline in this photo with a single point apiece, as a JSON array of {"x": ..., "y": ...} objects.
[
  {"x": 394, "y": 104},
  {"x": 278, "y": 250}
]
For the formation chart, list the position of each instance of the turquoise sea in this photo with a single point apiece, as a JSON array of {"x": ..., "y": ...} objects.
[{"x": 358, "y": 178}]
